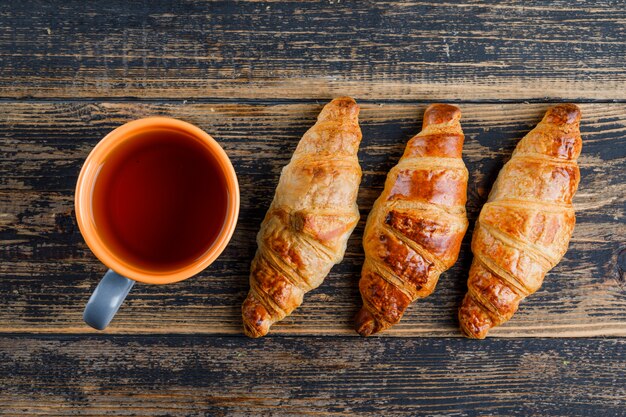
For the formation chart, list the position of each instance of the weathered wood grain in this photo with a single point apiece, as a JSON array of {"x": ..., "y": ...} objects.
[
  {"x": 235, "y": 376},
  {"x": 247, "y": 72},
  {"x": 47, "y": 272},
  {"x": 264, "y": 49}
]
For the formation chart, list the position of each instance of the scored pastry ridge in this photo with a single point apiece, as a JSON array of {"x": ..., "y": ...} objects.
[
  {"x": 307, "y": 226},
  {"x": 416, "y": 226},
  {"x": 524, "y": 229}
]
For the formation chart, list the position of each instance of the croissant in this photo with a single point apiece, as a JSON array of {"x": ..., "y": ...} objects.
[
  {"x": 416, "y": 226},
  {"x": 524, "y": 228},
  {"x": 307, "y": 226}
]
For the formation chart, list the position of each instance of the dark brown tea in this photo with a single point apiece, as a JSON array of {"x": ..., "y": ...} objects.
[{"x": 160, "y": 200}]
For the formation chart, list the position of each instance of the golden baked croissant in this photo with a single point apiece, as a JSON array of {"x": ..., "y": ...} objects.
[
  {"x": 416, "y": 226},
  {"x": 524, "y": 228},
  {"x": 314, "y": 211}
]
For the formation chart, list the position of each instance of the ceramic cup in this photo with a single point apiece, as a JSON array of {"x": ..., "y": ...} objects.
[{"x": 118, "y": 281}]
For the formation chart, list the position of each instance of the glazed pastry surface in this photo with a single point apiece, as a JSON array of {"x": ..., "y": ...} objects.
[
  {"x": 307, "y": 226},
  {"x": 416, "y": 226},
  {"x": 525, "y": 227}
]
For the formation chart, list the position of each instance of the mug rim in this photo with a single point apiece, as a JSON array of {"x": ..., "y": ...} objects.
[{"x": 86, "y": 182}]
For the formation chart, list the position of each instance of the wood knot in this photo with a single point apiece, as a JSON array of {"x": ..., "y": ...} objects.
[
  {"x": 65, "y": 223},
  {"x": 621, "y": 266}
]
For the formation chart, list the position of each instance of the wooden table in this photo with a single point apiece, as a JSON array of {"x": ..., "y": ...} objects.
[{"x": 254, "y": 75}]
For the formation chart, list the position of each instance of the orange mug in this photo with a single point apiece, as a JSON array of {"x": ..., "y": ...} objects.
[{"x": 138, "y": 175}]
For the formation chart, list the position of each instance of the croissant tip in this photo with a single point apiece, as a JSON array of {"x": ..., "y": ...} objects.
[
  {"x": 251, "y": 332},
  {"x": 564, "y": 113},
  {"x": 344, "y": 100},
  {"x": 365, "y": 323},
  {"x": 439, "y": 113},
  {"x": 339, "y": 108},
  {"x": 473, "y": 319},
  {"x": 473, "y": 335},
  {"x": 344, "y": 105},
  {"x": 256, "y": 318}
]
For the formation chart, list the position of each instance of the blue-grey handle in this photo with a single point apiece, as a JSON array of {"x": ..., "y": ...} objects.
[{"x": 106, "y": 299}]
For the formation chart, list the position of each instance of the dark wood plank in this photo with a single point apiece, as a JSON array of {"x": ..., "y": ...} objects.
[
  {"x": 232, "y": 376},
  {"x": 47, "y": 272},
  {"x": 256, "y": 49}
]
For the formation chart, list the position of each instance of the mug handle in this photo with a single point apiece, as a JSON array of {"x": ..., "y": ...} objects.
[{"x": 106, "y": 299}]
